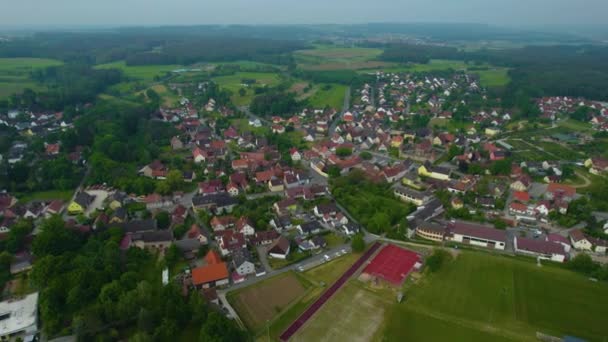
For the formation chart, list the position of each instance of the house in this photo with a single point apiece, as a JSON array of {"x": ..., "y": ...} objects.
[
  {"x": 55, "y": 207},
  {"x": 19, "y": 318},
  {"x": 232, "y": 189},
  {"x": 217, "y": 203},
  {"x": 158, "y": 240},
  {"x": 597, "y": 165},
  {"x": 561, "y": 240},
  {"x": 242, "y": 262},
  {"x": 283, "y": 206},
  {"x": 219, "y": 223},
  {"x": 579, "y": 240},
  {"x": 542, "y": 249},
  {"x": 412, "y": 196},
  {"x": 213, "y": 274},
  {"x": 477, "y": 235},
  {"x": 264, "y": 237},
  {"x": 330, "y": 209},
  {"x": 521, "y": 196},
  {"x": 599, "y": 245},
  {"x": 230, "y": 241},
  {"x": 295, "y": 155},
  {"x": 350, "y": 229},
  {"x": 138, "y": 226},
  {"x": 195, "y": 233},
  {"x": 156, "y": 201},
  {"x": 431, "y": 231},
  {"x": 118, "y": 216},
  {"x": 280, "y": 248},
  {"x": 311, "y": 227},
  {"x": 176, "y": 143},
  {"x": 516, "y": 208},
  {"x": 521, "y": 183},
  {"x": 81, "y": 203},
  {"x": 275, "y": 185},
  {"x": 560, "y": 192},
  {"x": 436, "y": 172},
  {"x": 52, "y": 149},
  {"x": 156, "y": 170},
  {"x": 244, "y": 226}
]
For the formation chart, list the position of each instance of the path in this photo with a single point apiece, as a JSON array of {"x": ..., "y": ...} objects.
[{"x": 587, "y": 181}]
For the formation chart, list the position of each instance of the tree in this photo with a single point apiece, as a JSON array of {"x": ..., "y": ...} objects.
[
  {"x": 583, "y": 263},
  {"x": 358, "y": 243},
  {"x": 163, "y": 220},
  {"x": 172, "y": 255},
  {"x": 344, "y": 151},
  {"x": 242, "y": 92},
  {"x": 175, "y": 180},
  {"x": 333, "y": 171},
  {"x": 365, "y": 155}
]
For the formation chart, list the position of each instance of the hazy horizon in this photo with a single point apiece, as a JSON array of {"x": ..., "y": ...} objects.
[{"x": 536, "y": 14}]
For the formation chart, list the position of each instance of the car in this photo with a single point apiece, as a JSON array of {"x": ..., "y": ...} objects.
[
  {"x": 326, "y": 257},
  {"x": 343, "y": 251},
  {"x": 301, "y": 268}
]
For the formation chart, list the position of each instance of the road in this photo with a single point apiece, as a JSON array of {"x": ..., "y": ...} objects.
[{"x": 252, "y": 116}]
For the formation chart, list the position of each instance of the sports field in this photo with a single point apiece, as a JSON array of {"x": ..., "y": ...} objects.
[
  {"x": 140, "y": 72},
  {"x": 15, "y": 73},
  {"x": 477, "y": 297}
]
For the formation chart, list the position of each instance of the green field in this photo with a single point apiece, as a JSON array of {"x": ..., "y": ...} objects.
[
  {"x": 46, "y": 196},
  {"x": 477, "y": 297},
  {"x": 332, "y": 97},
  {"x": 493, "y": 77},
  {"x": 506, "y": 296},
  {"x": 235, "y": 82},
  {"x": 140, "y": 72},
  {"x": 329, "y": 57},
  {"x": 15, "y": 73}
]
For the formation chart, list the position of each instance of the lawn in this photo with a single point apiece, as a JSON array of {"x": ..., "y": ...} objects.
[
  {"x": 506, "y": 297},
  {"x": 331, "y": 95},
  {"x": 46, "y": 196},
  {"x": 234, "y": 83},
  {"x": 141, "y": 72},
  {"x": 15, "y": 74},
  {"x": 493, "y": 77}
]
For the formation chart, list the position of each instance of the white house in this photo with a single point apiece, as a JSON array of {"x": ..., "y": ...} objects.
[
  {"x": 19, "y": 318},
  {"x": 580, "y": 241}
]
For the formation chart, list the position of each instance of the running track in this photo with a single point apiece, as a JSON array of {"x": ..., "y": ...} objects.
[{"x": 298, "y": 323}]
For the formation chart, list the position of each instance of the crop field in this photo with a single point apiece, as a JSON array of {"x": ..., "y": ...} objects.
[
  {"x": 234, "y": 83},
  {"x": 140, "y": 72},
  {"x": 261, "y": 302},
  {"x": 15, "y": 73}
]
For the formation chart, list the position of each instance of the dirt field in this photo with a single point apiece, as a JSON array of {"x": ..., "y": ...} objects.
[
  {"x": 346, "y": 317},
  {"x": 264, "y": 301}
]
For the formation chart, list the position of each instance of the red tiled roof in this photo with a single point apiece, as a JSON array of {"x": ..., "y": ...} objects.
[
  {"x": 521, "y": 196},
  {"x": 563, "y": 189},
  {"x": 209, "y": 273},
  {"x": 213, "y": 257}
]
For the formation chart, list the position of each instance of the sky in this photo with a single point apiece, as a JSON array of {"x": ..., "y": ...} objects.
[{"x": 513, "y": 13}]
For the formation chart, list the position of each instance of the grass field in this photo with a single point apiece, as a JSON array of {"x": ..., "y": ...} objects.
[
  {"x": 332, "y": 97},
  {"x": 15, "y": 73},
  {"x": 477, "y": 297},
  {"x": 142, "y": 72},
  {"x": 493, "y": 77},
  {"x": 235, "y": 82},
  {"x": 46, "y": 196}
]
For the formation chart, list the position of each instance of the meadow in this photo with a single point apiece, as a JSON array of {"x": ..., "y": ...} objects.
[
  {"x": 328, "y": 57},
  {"x": 15, "y": 74},
  {"x": 331, "y": 95},
  {"x": 234, "y": 83}
]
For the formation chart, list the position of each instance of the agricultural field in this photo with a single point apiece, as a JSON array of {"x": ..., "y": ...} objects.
[
  {"x": 261, "y": 302},
  {"x": 15, "y": 73},
  {"x": 327, "y": 57},
  {"x": 477, "y": 297},
  {"x": 234, "y": 83},
  {"x": 140, "y": 72}
]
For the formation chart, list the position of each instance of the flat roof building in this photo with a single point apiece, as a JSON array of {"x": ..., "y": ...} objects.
[{"x": 19, "y": 318}]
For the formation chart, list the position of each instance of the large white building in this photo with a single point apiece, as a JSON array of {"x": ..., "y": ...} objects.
[
  {"x": 19, "y": 318},
  {"x": 477, "y": 235},
  {"x": 543, "y": 249}
]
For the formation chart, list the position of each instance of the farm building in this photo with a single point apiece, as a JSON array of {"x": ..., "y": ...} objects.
[
  {"x": 543, "y": 249},
  {"x": 392, "y": 264},
  {"x": 477, "y": 235}
]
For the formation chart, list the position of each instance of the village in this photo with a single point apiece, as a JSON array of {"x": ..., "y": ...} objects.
[{"x": 241, "y": 208}]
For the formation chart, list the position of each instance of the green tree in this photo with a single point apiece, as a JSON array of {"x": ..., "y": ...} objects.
[
  {"x": 344, "y": 151},
  {"x": 242, "y": 92},
  {"x": 175, "y": 180},
  {"x": 163, "y": 220},
  {"x": 365, "y": 155},
  {"x": 439, "y": 258},
  {"x": 358, "y": 243}
]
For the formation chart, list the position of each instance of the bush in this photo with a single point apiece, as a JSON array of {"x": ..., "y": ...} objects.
[
  {"x": 358, "y": 244},
  {"x": 439, "y": 258}
]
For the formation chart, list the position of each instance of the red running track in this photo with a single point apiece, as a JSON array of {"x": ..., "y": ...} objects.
[{"x": 298, "y": 323}]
